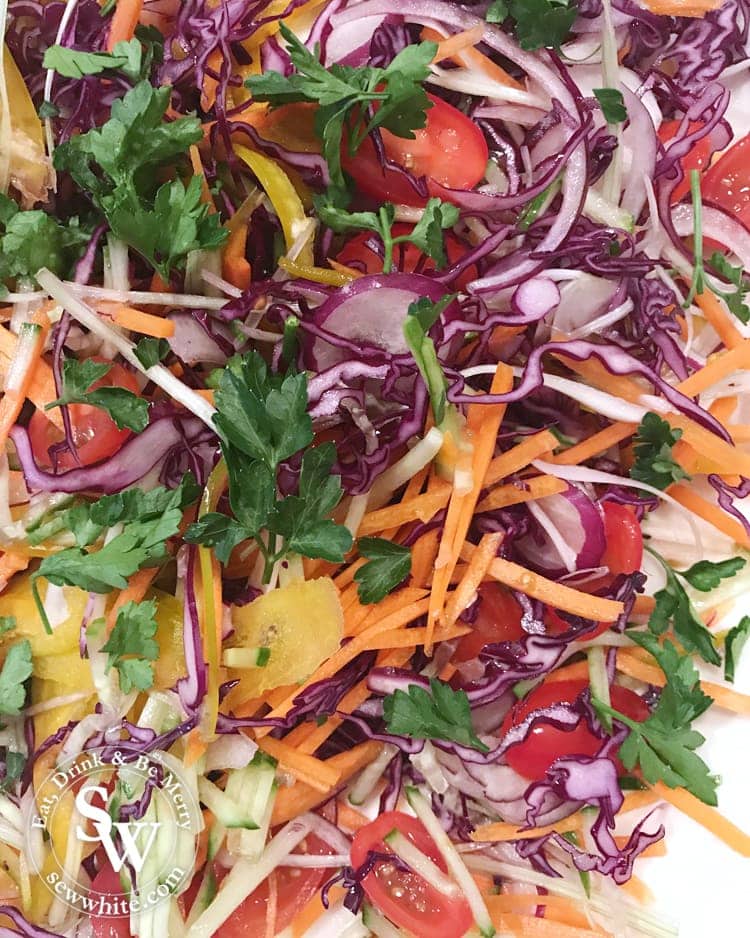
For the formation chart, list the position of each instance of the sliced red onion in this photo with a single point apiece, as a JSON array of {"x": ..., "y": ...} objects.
[
  {"x": 718, "y": 226},
  {"x": 572, "y": 528},
  {"x": 137, "y": 457},
  {"x": 193, "y": 343},
  {"x": 536, "y": 297},
  {"x": 372, "y": 311},
  {"x": 581, "y": 300},
  {"x": 192, "y": 688}
]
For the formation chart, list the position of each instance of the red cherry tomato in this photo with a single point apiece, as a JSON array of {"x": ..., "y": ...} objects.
[
  {"x": 107, "y": 883},
  {"x": 498, "y": 620},
  {"x": 532, "y": 757},
  {"x": 450, "y": 151},
  {"x": 698, "y": 158},
  {"x": 624, "y": 550},
  {"x": 96, "y": 436},
  {"x": 727, "y": 183},
  {"x": 295, "y": 887},
  {"x": 406, "y": 256},
  {"x": 409, "y": 901}
]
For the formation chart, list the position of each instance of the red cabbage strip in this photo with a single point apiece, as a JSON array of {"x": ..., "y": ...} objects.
[
  {"x": 192, "y": 689},
  {"x": 311, "y": 166},
  {"x": 583, "y": 780},
  {"x": 22, "y": 926},
  {"x": 727, "y": 493},
  {"x": 614, "y": 359},
  {"x": 135, "y": 458}
]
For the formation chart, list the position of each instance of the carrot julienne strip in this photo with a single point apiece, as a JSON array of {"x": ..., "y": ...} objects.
[
  {"x": 313, "y": 772},
  {"x": 464, "y": 594},
  {"x": 137, "y": 321},
  {"x": 124, "y": 20},
  {"x": 711, "y": 513},
  {"x": 707, "y": 817},
  {"x": 410, "y": 638},
  {"x": 421, "y": 508},
  {"x": 515, "y": 493},
  {"x": 520, "y": 456}
]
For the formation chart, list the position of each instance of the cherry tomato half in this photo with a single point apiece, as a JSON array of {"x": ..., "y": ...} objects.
[
  {"x": 545, "y": 743},
  {"x": 727, "y": 183},
  {"x": 406, "y": 256},
  {"x": 295, "y": 887},
  {"x": 498, "y": 620},
  {"x": 698, "y": 158},
  {"x": 107, "y": 883},
  {"x": 622, "y": 530},
  {"x": 95, "y": 435},
  {"x": 409, "y": 901},
  {"x": 450, "y": 151}
]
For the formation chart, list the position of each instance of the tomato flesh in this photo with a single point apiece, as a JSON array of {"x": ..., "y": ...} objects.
[
  {"x": 498, "y": 620},
  {"x": 449, "y": 151},
  {"x": 545, "y": 743},
  {"x": 95, "y": 434},
  {"x": 727, "y": 183},
  {"x": 409, "y": 901},
  {"x": 107, "y": 883},
  {"x": 622, "y": 530},
  {"x": 698, "y": 158}
]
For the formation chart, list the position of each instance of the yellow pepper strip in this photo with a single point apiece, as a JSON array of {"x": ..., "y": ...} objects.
[
  {"x": 211, "y": 600},
  {"x": 333, "y": 278},
  {"x": 287, "y": 204},
  {"x": 26, "y": 165},
  {"x": 301, "y": 16}
]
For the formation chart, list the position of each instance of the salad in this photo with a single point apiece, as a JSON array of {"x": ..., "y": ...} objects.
[{"x": 373, "y": 460}]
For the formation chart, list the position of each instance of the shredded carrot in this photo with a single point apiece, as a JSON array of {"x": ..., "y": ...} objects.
[
  {"x": 235, "y": 267},
  {"x": 450, "y": 47},
  {"x": 421, "y": 508},
  {"x": 725, "y": 697},
  {"x": 483, "y": 422},
  {"x": 707, "y": 817},
  {"x": 555, "y": 594},
  {"x": 410, "y": 638},
  {"x": 41, "y": 389},
  {"x": 515, "y": 493},
  {"x": 692, "y": 8},
  {"x": 13, "y": 399},
  {"x": 197, "y": 163},
  {"x": 210, "y": 84},
  {"x": 644, "y": 605},
  {"x": 423, "y": 556},
  {"x": 124, "y": 20},
  {"x": 711, "y": 513},
  {"x": 309, "y": 915},
  {"x": 306, "y": 768},
  {"x": 11, "y": 562},
  {"x": 718, "y": 317},
  {"x": 557, "y": 908},
  {"x": 343, "y": 269},
  {"x": 348, "y": 817},
  {"x": 524, "y": 926},
  {"x": 595, "y": 445},
  {"x": 137, "y": 587},
  {"x": 391, "y": 604},
  {"x": 473, "y": 57},
  {"x": 657, "y": 849},
  {"x": 638, "y": 890},
  {"x": 466, "y": 591},
  {"x": 300, "y": 797},
  {"x": 503, "y": 831},
  {"x": 195, "y": 747},
  {"x": 579, "y": 671},
  {"x": 520, "y": 456},
  {"x": 134, "y": 319}
]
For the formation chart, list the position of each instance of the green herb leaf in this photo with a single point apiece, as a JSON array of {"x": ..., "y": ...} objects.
[
  {"x": 706, "y": 576},
  {"x": 654, "y": 464},
  {"x": 15, "y": 763},
  {"x": 497, "y": 12},
  {"x": 7, "y": 624},
  {"x": 735, "y": 301},
  {"x": 218, "y": 531},
  {"x": 733, "y": 646},
  {"x": 427, "y": 234},
  {"x": 131, "y": 646},
  {"x": 440, "y": 713},
  {"x": 150, "y": 352},
  {"x": 388, "y": 565},
  {"x": 116, "y": 164},
  {"x": 698, "y": 284},
  {"x": 612, "y": 104},
  {"x": 537, "y": 24},
  {"x": 15, "y": 672},
  {"x": 74, "y": 63},
  {"x": 126, "y": 409},
  {"x": 422, "y": 315},
  {"x": 673, "y": 606},
  {"x": 344, "y": 95}
]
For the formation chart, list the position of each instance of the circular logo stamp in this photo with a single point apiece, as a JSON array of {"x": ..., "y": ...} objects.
[{"x": 120, "y": 809}]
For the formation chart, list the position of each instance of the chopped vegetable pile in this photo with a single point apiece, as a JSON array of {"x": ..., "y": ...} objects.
[{"x": 373, "y": 457}]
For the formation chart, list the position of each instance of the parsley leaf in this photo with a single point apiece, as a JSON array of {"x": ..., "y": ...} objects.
[
  {"x": 735, "y": 300},
  {"x": 345, "y": 97},
  {"x": 706, "y": 576},
  {"x": 15, "y": 762},
  {"x": 131, "y": 646},
  {"x": 32, "y": 240},
  {"x": 388, "y": 565},
  {"x": 427, "y": 234},
  {"x": 440, "y": 713},
  {"x": 612, "y": 104},
  {"x": 664, "y": 745},
  {"x": 733, "y": 646},
  {"x": 654, "y": 464},
  {"x": 15, "y": 672},
  {"x": 126, "y": 409},
  {"x": 422, "y": 315},
  {"x": 74, "y": 63},
  {"x": 538, "y": 23},
  {"x": 115, "y": 163},
  {"x": 263, "y": 421},
  {"x": 7, "y": 624},
  {"x": 673, "y": 605},
  {"x": 150, "y": 352}
]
